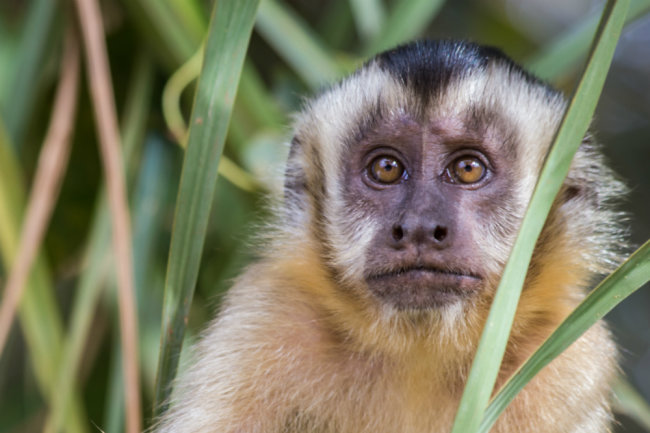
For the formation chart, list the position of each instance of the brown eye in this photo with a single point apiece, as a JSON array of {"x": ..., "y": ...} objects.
[
  {"x": 467, "y": 169},
  {"x": 386, "y": 169}
]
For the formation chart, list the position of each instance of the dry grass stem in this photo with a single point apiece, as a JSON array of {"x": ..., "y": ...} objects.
[
  {"x": 52, "y": 163},
  {"x": 101, "y": 90}
]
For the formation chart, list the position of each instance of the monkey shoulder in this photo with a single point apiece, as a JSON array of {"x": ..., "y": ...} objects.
[
  {"x": 581, "y": 378},
  {"x": 271, "y": 360}
]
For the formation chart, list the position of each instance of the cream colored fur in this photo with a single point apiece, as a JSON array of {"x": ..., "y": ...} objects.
[{"x": 292, "y": 352}]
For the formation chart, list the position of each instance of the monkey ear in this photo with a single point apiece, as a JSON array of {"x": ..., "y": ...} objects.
[
  {"x": 570, "y": 192},
  {"x": 583, "y": 180},
  {"x": 295, "y": 179}
]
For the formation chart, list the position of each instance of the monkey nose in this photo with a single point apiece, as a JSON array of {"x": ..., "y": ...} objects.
[{"x": 420, "y": 234}]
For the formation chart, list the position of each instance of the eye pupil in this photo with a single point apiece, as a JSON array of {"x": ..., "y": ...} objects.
[
  {"x": 385, "y": 169},
  {"x": 467, "y": 170}
]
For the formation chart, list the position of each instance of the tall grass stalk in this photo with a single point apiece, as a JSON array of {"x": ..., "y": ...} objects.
[
  {"x": 572, "y": 129},
  {"x": 98, "y": 250},
  {"x": 227, "y": 42},
  {"x": 628, "y": 278},
  {"x": 101, "y": 90},
  {"x": 39, "y": 315}
]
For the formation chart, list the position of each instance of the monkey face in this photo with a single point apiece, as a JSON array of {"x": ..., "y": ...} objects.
[
  {"x": 431, "y": 187},
  {"x": 415, "y": 172}
]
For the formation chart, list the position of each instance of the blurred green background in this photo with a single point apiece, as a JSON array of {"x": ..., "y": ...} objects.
[{"x": 297, "y": 47}]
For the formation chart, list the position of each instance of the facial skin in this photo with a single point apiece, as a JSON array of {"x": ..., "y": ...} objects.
[{"x": 430, "y": 191}]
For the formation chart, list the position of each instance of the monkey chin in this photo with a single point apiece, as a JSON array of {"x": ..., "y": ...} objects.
[{"x": 421, "y": 288}]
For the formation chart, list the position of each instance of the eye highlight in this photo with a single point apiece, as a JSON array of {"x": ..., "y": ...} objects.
[
  {"x": 385, "y": 169},
  {"x": 466, "y": 170}
]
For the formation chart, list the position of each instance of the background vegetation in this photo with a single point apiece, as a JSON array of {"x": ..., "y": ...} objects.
[{"x": 66, "y": 340}]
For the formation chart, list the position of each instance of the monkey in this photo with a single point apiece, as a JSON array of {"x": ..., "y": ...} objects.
[{"x": 405, "y": 186}]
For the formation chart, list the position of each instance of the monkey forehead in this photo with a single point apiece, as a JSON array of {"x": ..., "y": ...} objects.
[
  {"x": 494, "y": 95},
  {"x": 329, "y": 119},
  {"x": 460, "y": 86}
]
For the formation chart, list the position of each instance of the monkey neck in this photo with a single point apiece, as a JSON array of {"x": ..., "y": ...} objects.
[{"x": 437, "y": 343}]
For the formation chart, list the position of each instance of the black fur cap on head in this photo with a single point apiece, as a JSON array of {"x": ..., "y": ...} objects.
[{"x": 426, "y": 66}]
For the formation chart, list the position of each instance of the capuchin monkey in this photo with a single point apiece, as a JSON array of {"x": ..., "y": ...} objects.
[{"x": 405, "y": 187}]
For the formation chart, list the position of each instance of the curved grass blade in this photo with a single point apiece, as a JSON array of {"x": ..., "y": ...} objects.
[
  {"x": 173, "y": 38},
  {"x": 574, "y": 124},
  {"x": 171, "y": 106},
  {"x": 629, "y": 277},
  {"x": 173, "y": 91},
  {"x": 229, "y": 33}
]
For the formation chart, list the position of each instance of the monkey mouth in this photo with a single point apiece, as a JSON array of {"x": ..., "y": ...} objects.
[{"x": 422, "y": 287}]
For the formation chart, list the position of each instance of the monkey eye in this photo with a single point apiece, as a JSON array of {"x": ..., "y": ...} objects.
[
  {"x": 466, "y": 170},
  {"x": 386, "y": 169}
]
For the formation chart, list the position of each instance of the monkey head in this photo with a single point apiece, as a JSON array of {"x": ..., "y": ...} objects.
[{"x": 414, "y": 173}]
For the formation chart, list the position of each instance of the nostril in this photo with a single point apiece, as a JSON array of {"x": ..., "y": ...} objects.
[
  {"x": 440, "y": 233},
  {"x": 398, "y": 233}
]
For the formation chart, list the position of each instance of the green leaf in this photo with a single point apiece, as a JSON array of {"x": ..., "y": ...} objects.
[
  {"x": 629, "y": 277},
  {"x": 574, "y": 124},
  {"x": 230, "y": 29}
]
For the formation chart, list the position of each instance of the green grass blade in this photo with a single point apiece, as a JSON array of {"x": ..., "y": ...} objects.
[
  {"x": 629, "y": 402},
  {"x": 629, "y": 277},
  {"x": 38, "y": 311},
  {"x": 229, "y": 33},
  {"x": 149, "y": 195},
  {"x": 164, "y": 30},
  {"x": 98, "y": 250},
  {"x": 294, "y": 41},
  {"x": 407, "y": 21},
  {"x": 191, "y": 16},
  {"x": 32, "y": 55},
  {"x": 173, "y": 92},
  {"x": 567, "y": 140},
  {"x": 369, "y": 16},
  {"x": 568, "y": 49},
  {"x": 114, "y": 408},
  {"x": 254, "y": 98}
]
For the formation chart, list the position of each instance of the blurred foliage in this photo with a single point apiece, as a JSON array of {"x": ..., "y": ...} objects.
[{"x": 297, "y": 47}]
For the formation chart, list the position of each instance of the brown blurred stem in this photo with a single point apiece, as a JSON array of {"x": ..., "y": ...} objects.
[
  {"x": 52, "y": 162},
  {"x": 101, "y": 90}
]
